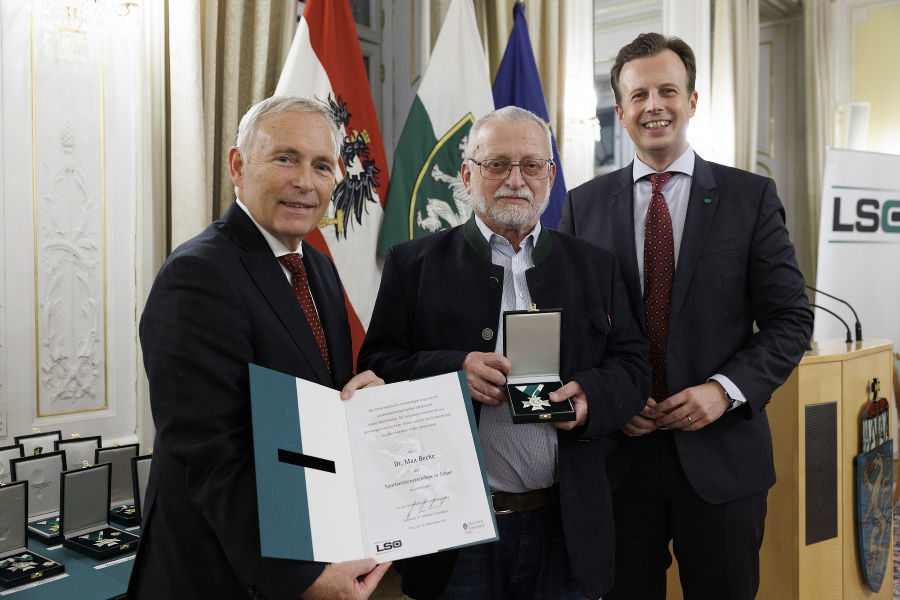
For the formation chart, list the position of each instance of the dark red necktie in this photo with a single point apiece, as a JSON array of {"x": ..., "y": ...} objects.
[
  {"x": 294, "y": 264},
  {"x": 659, "y": 273}
]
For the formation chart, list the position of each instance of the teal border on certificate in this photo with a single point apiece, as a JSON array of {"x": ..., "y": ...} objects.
[
  {"x": 470, "y": 411},
  {"x": 284, "y": 529}
]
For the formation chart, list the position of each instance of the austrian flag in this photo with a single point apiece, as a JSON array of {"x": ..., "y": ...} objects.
[{"x": 325, "y": 62}]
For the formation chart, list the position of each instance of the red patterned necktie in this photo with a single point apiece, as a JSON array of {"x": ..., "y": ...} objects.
[
  {"x": 659, "y": 273},
  {"x": 294, "y": 264}
]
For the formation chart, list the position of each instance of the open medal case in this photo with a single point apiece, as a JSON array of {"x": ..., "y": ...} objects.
[
  {"x": 43, "y": 473},
  {"x": 6, "y": 454},
  {"x": 78, "y": 450},
  {"x": 140, "y": 474},
  {"x": 38, "y": 443},
  {"x": 17, "y": 564},
  {"x": 84, "y": 514},
  {"x": 121, "y": 490},
  {"x": 532, "y": 342}
]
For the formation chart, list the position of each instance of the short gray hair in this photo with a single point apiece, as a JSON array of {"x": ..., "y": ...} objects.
[
  {"x": 507, "y": 113},
  {"x": 275, "y": 105}
]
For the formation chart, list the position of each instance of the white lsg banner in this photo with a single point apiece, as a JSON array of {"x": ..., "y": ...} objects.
[{"x": 859, "y": 245}]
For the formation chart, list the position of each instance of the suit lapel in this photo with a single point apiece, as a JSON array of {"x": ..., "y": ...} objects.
[
  {"x": 264, "y": 270},
  {"x": 702, "y": 205},
  {"x": 621, "y": 201}
]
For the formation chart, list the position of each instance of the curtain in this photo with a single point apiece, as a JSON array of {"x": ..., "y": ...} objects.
[
  {"x": 223, "y": 57},
  {"x": 819, "y": 122},
  {"x": 735, "y": 82}
]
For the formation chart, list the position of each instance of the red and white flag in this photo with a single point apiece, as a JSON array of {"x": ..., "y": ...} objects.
[{"x": 325, "y": 62}]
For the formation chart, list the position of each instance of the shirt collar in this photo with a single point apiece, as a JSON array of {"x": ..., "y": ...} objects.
[
  {"x": 488, "y": 234},
  {"x": 682, "y": 164},
  {"x": 278, "y": 249}
]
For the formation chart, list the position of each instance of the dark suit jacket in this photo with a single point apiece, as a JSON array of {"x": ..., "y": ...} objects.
[
  {"x": 438, "y": 293},
  {"x": 219, "y": 302},
  {"x": 736, "y": 267}
]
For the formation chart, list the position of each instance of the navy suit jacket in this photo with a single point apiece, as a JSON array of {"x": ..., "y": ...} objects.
[
  {"x": 439, "y": 293},
  {"x": 736, "y": 269},
  {"x": 221, "y": 301}
]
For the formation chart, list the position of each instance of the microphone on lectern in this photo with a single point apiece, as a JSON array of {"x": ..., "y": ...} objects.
[
  {"x": 847, "y": 327},
  {"x": 858, "y": 326}
]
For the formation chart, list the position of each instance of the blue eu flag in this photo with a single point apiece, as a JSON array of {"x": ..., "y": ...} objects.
[{"x": 518, "y": 84}]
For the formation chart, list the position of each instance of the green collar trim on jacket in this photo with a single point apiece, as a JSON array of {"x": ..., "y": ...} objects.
[
  {"x": 483, "y": 249},
  {"x": 542, "y": 249},
  {"x": 476, "y": 240}
]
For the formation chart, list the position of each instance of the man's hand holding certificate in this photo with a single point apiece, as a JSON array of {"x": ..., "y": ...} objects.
[{"x": 394, "y": 472}]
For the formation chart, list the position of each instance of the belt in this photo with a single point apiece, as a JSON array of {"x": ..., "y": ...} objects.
[{"x": 507, "y": 502}]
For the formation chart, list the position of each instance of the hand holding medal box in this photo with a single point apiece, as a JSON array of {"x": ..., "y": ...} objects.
[{"x": 531, "y": 341}]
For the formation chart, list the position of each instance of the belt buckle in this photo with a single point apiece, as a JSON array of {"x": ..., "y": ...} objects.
[{"x": 501, "y": 511}]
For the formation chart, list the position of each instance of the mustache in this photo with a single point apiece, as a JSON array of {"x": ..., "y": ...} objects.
[{"x": 523, "y": 193}]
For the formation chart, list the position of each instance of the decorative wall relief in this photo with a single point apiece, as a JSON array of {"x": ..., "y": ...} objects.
[{"x": 69, "y": 206}]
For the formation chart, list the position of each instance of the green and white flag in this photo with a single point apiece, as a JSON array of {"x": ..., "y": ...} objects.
[{"x": 426, "y": 192}]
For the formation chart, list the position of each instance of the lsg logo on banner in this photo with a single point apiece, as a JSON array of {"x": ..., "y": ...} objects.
[
  {"x": 863, "y": 211},
  {"x": 859, "y": 241}
]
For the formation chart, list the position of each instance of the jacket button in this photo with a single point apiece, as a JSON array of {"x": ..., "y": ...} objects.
[
  {"x": 494, "y": 283},
  {"x": 487, "y": 334}
]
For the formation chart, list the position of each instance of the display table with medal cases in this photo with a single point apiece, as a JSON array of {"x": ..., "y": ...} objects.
[
  {"x": 86, "y": 577},
  {"x": 532, "y": 342}
]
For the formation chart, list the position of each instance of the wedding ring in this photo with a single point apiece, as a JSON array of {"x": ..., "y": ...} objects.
[{"x": 690, "y": 420}]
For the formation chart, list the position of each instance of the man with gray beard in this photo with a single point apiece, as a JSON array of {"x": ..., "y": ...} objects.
[{"x": 439, "y": 310}]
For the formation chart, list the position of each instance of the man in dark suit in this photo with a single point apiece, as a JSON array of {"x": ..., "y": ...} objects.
[
  {"x": 711, "y": 276},
  {"x": 439, "y": 309},
  {"x": 222, "y": 300}
]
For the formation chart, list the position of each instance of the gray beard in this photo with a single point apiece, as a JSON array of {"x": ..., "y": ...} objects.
[{"x": 510, "y": 215}]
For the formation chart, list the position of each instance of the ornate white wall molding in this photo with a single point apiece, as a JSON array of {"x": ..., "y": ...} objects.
[
  {"x": 69, "y": 206},
  {"x": 74, "y": 139}
]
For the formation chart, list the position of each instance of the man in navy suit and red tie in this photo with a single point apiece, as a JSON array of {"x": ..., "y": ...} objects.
[
  {"x": 712, "y": 278},
  {"x": 245, "y": 290}
]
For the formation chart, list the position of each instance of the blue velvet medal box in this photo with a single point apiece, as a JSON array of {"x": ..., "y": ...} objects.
[
  {"x": 532, "y": 342},
  {"x": 18, "y": 565},
  {"x": 84, "y": 514}
]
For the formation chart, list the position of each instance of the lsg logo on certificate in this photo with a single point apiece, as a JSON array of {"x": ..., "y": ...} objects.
[{"x": 385, "y": 546}]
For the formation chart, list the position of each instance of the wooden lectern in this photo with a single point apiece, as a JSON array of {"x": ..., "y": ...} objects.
[{"x": 810, "y": 550}]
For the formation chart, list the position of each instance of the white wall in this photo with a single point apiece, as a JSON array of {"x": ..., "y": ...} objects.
[{"x": 73, "y": 167}]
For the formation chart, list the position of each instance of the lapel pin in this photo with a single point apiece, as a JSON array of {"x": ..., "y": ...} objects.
[{"x": 707, "y": 201}]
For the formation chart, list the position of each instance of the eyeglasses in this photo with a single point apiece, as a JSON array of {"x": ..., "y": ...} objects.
[{"x": 499, "y": 168}]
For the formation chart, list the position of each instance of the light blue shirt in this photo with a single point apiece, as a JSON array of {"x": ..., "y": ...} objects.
[
  {"x": 517, "y": 457},
  {"x": 677, "y": 192}
]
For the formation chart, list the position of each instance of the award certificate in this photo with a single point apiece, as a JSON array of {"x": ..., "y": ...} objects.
[{"x": 394, "y": 472}]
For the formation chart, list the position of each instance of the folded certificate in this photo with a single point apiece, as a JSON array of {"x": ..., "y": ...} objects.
[{"x": 394, "y": 472}]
